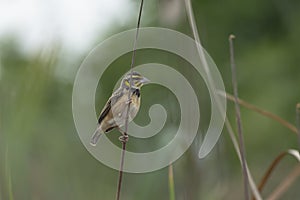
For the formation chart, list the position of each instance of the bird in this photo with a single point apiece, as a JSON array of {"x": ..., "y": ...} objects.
[{"x": 113, "y": 115}]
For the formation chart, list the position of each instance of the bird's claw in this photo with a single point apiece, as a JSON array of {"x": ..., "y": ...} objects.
[{"x": 124, "y": 138}]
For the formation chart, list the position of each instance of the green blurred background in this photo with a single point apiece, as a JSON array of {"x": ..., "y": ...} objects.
[{"x": 43, "y": 44}]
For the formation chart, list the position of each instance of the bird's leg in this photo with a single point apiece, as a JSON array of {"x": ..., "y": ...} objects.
[{"x": 124, "y": 137}]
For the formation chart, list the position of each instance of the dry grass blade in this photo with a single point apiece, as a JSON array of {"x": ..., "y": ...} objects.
[
  {"x": 238, "y": 118},
  {"x": 197, "y": 39},
  {"x": 285, "y": 184},
  {"x": 227, "y": 123},
  {"x": 171, "y": 183},
  {"x": 273, "y": 165},
  {"x": 253, "y": 187},
  {"x": 263, "y": 112}
]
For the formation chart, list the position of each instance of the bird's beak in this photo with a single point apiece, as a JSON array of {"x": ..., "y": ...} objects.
[{"x": 145, "y": 80}]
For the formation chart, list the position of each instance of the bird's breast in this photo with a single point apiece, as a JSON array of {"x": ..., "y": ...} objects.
[{"x": 119, "y": 110}]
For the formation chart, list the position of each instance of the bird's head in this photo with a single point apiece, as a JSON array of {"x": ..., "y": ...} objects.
[{"x": 137, "y": 80}]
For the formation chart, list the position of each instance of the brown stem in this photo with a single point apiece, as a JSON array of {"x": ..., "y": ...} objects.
[
  {"x": 270, "y": 170},
  {"x": 285, "y": 184},
  {"x": 238, "y": 119},
  {"x": 274, "y": 164},
  {"x": 121, "y": 170},
  {"x": 124, "y": 138},
  {"x": 263, "y": 112}
]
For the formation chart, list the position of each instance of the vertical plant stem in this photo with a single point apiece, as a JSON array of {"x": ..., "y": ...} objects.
[
  {"x": 237, "y": 149},
  {"x": 171, "y": 183},
  {"x": 121, "y": 170},
  {"x": 238, "y": 118},
  {"x": 125, "y": 136},
  {"x": 227, "y": 123},
  {"x": 298, "y": 123}
]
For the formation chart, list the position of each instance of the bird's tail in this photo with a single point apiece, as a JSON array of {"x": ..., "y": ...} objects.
[{"x": 96, "y": 137}]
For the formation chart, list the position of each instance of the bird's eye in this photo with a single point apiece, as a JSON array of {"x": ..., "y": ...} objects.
[{"x": 127, "y": 83}]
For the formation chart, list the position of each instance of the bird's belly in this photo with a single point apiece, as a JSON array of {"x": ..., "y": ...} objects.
[{"x": 119, "y": 113}]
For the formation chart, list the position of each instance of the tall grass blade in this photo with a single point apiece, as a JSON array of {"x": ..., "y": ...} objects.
[
  {"x": 171, "y": 183},
  {"x": 227, "y": 123},
  {"x": 252, "y": 184},
  {"x": 238, "y": 118}
]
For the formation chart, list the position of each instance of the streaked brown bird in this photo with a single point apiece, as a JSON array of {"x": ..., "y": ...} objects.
[{"x": 113, "y": 115}]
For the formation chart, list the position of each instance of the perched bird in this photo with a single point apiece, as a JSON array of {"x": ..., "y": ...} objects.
[{"x": 113, "y": 115}]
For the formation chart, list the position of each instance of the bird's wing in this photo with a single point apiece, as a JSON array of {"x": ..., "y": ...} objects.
[
  {"x": 111, "y": 101},
  {"x": 105, "y": 111}
]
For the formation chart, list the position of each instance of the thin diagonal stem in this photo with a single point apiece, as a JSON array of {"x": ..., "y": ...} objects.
[
  {"x": 274, "y": 164},
  {"x": 238, "y": 118},
  {"x": 285, "y": 184},
  {"x": 132, "y": 64},
  {"x": 121, "y": 170},
  {"x": 237, "y": 149},
  {"x": 125, "y": 136},
  {"x": 264, "y": 112}
]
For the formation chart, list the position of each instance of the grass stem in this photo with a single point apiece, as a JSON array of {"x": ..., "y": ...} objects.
[
  {"x": 263, "y": 112},
  {"x": 285, "y": 184},
  {"x": 273, "y": 165},
  {"x": 171, "y": 183},
  {"x": 125, "y": 136},
  {"x": 238, "y": 118}
]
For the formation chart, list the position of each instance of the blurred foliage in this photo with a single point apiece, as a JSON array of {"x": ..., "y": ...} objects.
[{"x": 39, "y": 145}]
